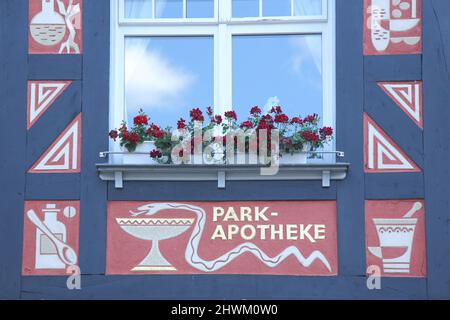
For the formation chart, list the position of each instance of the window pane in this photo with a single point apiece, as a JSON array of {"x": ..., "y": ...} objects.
[
  {"x": 284, "y": 70},
  {"x": 307, "y": 7},
  {"x": 167, "y": 76},
  {"x": 245, "y": 8},
  {"x": 200, "y": 8},
  {"x": 169, "y": 8},
  {"x": 279, "y": 8},
  {"x": 138, "y": 9}
]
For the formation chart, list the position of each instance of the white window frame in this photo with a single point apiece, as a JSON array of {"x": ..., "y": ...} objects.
[{"x": 222, "y": 27}]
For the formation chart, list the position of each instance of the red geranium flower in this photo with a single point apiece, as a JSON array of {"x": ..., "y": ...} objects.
[
  {"x": 153, "y": 127},
  {"x": 265, "y": 125},
  {"x": 326, "y": 131},
  {"x": 209, "y": 111},
  {"x": 246, "y": 125},
  {"x": 113, "y": 134},
  {"x": 140, "y": 120},
  {"x": 158, "y": 134},
  {"x": 231, "y": 115},
  {"x": 266, "y": 122},
  {"x": 133, "y": 138},
  {"x": 218, "y": 119},
  {"x": 255, "y": 110},
  {"x": 281, "y": 118},
  {"x": 155, "y": 154},
  {"x": 123, "y": 128},
  {"x": 310, "y": 136},
  {"x": 276, "y": 110},
  {"x": 181, "y": 123},
  {"x": 296, "y": 120},
  {"x": 196, "y": 115},
  {"x": 155, "y": 131},
  {"x": 311, "y": 118}
]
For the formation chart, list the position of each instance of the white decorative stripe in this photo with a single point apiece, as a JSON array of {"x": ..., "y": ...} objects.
[
  {"x": 396, "y": 270},
  {"x": 397, "y": 265}
]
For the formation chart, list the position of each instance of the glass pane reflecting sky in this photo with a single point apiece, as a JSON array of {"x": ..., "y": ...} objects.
[
  {"x": 307, "y": 7},
  {"x": 200, "y": 8},
  {"x": 270, "y": 8},
  {"x": 277, "y": 70},
  {"x": 245, "y": 8},
  {"x": 167, "y": 76},
  {"x": 169, "y": 8},
  {"x": 138, "y": 9},
  {"x": 276, "y": 8}
]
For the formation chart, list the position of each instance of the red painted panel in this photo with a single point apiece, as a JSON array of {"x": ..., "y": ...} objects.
[
  {"x": 276, "y": 237},
  {"x": 392, "y": 27},
  {"x": 55, "y": 26},
  {"x": 395, "y": 237},
  {"x": 44, "y": 220}
]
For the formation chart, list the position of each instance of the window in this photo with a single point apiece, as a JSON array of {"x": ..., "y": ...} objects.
[
  {"x": 171, "y": 55},
  {"x": 164, "y": 74}
]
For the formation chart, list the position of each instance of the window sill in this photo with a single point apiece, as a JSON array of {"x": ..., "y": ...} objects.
[{"x": 220, "y": 173}]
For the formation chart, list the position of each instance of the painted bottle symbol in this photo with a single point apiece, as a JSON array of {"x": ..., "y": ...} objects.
[
  {"x": 46, "y": 252},
  {"x": 48, "y": 27}
]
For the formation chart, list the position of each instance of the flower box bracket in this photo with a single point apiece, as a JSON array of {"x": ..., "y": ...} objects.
[{"x": 119, "y": 173}]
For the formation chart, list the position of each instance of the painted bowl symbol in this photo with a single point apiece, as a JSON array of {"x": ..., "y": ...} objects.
[{"x": 154, "y": 229}]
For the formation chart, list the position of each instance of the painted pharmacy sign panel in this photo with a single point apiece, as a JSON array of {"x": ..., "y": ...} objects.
[
  {"x": 279, "y": 238},
  {"x": 395, "y": 237},
  {"x": 55, "y": 26},
  {"x": 392, "y": 27},
  {"x": 50, "y": 243}
]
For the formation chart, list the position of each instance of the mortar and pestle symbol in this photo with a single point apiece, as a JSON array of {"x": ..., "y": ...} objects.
[{"x": 396, "y": 235}]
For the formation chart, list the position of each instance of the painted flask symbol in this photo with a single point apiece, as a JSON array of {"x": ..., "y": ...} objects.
[{"x": 48, "y": 27}]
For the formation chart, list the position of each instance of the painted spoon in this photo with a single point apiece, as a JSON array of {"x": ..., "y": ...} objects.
[{"x": 65, "y": 252}]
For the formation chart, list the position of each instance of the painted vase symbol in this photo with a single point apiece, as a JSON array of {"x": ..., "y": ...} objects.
[
  {"x": 48, "y": 27},
  {"x": 46, "y": 253}
]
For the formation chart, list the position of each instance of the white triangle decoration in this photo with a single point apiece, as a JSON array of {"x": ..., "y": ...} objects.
[
  {"x": 41, "y": 95},
  {"x": 70, "y": 155},
  {"x": 384, "y": 147},
  {"x": 408, "y": 96}
]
